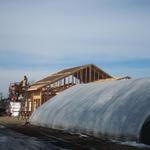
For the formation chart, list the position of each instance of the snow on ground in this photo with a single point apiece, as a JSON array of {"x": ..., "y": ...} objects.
[{"x": 131, "y": 143}]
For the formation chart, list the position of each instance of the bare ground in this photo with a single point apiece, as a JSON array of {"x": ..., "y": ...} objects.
[{"x": 61, "y": 139}]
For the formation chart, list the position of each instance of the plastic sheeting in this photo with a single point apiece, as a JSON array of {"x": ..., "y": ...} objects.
[
  {"x": 116, "y": 109},
  {"x": 15, "y": 108}
]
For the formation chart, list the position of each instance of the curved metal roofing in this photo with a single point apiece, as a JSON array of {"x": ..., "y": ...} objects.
[{"x": 113, "y": 109}]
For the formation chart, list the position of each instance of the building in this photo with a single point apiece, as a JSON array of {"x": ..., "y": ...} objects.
[
  {"x": 42, "y": 90},
  {"x": 113, "y": 110}
]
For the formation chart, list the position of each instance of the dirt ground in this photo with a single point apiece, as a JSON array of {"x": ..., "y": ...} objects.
[{"x": 62, "y": 139}]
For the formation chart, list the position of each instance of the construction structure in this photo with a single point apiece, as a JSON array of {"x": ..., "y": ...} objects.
[
  {"x": 117, "y": 110},
  {"x": 42, "y": 90},
  {"x": 18, "y": 90},
  {"x": 16, "y": 96}
]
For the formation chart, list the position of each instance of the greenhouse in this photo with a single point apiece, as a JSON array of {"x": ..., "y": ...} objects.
[{"x": 113, "y": 110}]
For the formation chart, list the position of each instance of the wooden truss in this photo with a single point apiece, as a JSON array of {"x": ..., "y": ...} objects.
[{"x": 41, "y": 91}]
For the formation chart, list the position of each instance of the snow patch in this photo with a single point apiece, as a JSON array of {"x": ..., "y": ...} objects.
[
  {"x": 131, "y": 143},
  {"x": 83, "y": 135},
  {"x": 135, "y": 144},
  {"x": 2, "y": 127}
]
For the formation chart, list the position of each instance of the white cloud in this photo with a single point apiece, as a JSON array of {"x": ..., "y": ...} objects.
[
  {"x": 56, "y": 29},
  {"x": 35, "y": 34}
]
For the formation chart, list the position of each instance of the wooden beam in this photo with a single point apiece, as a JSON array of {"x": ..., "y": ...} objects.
[
  {"x": 27, "y": 104},
  {"x": 102, "y": 76},
  {"x": 98, "y": 75},
  {"x": 68, "y": 80},
  {"x": 90, "y": 74},
  {"x": 78, "y": 77},
  {"x": 40, "y": 100},
  {"x": 32, "y": 103},
  {"x": 75, "y": 78},
  {"x": 72, "y": 79},
  {"x": 86, "y": 75},
  {"x": 94, "y": 73},
  {"x": 64, "y": 81},
  {"x": 81, "y": 76}
]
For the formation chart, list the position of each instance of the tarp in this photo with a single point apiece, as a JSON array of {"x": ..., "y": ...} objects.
[
  {"x": 116, "y": 109},
  {"x": 15, "y": 108}
]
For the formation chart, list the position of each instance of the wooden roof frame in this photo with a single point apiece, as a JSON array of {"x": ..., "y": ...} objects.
[{"x": 62, "y": 74}]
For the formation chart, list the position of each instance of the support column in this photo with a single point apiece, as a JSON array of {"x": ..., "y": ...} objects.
[
  {"x": 72, "y": 79},
  {"x": 78, "y": 77},
  {"x": 98, "y": 76},
  {"x": 60, "y": 82},
  {"x": 102, "y": 76},
  {"x": 94, "y": 74},
  {"x": 68, "y": 81},
  {"x": 27, "y": 103},
  {"x": 86, "y": 75},
  {"x": 81, "y": 76},
  {"x": 90, "y": 74},
  {"x": 41, "y": 99},
  {"x": 64, "y": 82},
  {"x": 32, "y": 103}
]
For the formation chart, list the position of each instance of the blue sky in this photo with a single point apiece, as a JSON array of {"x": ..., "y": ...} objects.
[{"x": 38, "y": 37}]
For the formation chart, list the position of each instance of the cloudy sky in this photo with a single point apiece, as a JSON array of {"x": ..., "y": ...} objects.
[{"x": 38, "y": 37}]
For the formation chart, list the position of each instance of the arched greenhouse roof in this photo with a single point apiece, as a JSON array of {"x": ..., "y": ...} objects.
[{"x": 116, "y": 109}]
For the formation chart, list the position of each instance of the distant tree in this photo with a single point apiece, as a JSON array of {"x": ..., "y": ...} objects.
[
  {"x": 3, "y": 104},
  {"x": 1, "y": 96}
]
